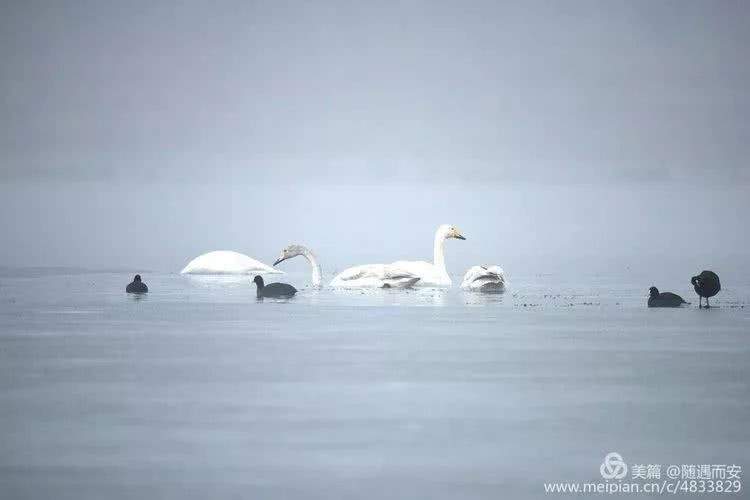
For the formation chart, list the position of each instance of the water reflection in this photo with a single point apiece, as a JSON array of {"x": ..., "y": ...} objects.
[
  {"x": 276, "y": 300},
  {"x": 483, "y": 298},
  {"x": 312, "y": 295},
  {"x": 218, "y": 281},
  {"x": 432, "y": 296}
]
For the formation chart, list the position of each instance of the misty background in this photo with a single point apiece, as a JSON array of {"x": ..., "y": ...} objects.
[{"x": 555, "y": 135}]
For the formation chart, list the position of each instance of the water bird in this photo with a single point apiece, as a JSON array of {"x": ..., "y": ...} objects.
[
  {"x": 273, "y": 289},
  {"x": 706, "y": 285},
  {"x": 292, "y": 251},
  {"x": 403, "y": 274},
  {"x": 227, "y": 262},
  {"x": 489, "y": 279},
  {"x": 136, "y": 286},
  {"x": 665, "y": 299}
]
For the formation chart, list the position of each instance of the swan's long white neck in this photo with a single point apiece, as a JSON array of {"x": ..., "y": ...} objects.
[
  {"x": 316, "y": 274},
  {"x": 438, "y": 255}
]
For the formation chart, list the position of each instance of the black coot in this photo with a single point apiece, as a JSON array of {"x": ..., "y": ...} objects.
[
  {"x": 706, "y": 285},
  {"x": 273, "y": 289},
  {"x": 136, "y": 286},
  {"x": 666, "y": 299}
]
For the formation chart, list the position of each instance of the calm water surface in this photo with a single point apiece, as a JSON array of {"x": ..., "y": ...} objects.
[{"x": 199, "y": 391}]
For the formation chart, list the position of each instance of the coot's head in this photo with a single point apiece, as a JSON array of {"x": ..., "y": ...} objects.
[
  {"x": 137, "y": 278},
  {"x": 653, "y": 291},
  {"x": 695, "y": 281},
  {"x": 289, "y": 252},
  {"x": 258, "y": 281}
]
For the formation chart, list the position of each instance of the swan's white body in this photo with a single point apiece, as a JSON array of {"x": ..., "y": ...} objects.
[
  {"x": 403, "y": 273},
  {"x": 295, "y": 250},
  {"x": 227, "y": 262},
  {"x": 484, "y": 279},
  {"x": 375, "y": 276}
]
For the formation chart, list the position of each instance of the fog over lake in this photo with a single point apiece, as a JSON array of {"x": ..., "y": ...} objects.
[
  {"x": 143, "y": 134},
  {"x": 591, "y": 149},
  {"x": 523, "y": 227}
]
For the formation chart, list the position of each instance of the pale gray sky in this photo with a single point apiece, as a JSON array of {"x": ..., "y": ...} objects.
[
  {"x": 375, "y": 91},
  {"x": 144, "y": 133}
]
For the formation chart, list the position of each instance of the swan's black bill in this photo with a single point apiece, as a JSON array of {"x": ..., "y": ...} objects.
[
  {"x": 459, "y": 237},
  {"x": 277, "y": 261}
]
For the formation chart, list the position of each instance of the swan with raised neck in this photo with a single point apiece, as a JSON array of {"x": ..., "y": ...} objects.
[
  {"x": 434, "y": 273},
  {"x": 295, "y": 250},
  {"x": 443, "y": 233},
  {"x": 416, "y": 273}
]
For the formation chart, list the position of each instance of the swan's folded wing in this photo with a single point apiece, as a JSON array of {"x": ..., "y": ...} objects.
[
  {"x": 471, "y": 274},
  {"x": 360, "y": 272},
  {"x": 380, "y": 271},
  {"x": 375, "y": 275},
  {"x": 398, "y": 277},
  {"x": 494, "y": 272},
  {"x": 479, "y": 276},
  {"x": 348, "y": 274},
  {"x": 416, "y": 268},
  {"x": 394, "y": 272}
]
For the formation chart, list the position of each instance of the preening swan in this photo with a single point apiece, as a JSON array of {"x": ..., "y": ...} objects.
[
  {"x": 295, "y": 250},
  {"x": 484, "y": 279},
  {"x": 403, "y": 273},
  {"x": 227, "y": 262}
]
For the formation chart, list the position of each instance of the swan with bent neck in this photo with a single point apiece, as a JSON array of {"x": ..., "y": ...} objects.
[
  {"x": 295, "y": 250},
  {"x": 403, "y": 273}
]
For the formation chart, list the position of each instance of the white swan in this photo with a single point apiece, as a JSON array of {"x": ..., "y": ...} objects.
[
  {"x": 295, "y": 250},
  {"x": 227, "y": 262},
  {"x": 484, "y": 279},
  {"x": 374, "y": 276},
  {"x": 403, "y": 273}
]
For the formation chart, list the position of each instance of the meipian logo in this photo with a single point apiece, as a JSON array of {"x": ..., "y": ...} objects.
[{"x": 613, "y": 466}]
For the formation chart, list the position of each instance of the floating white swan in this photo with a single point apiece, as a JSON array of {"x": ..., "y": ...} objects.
[
  {"x": 484, "y": 279},
  {"x": 295, "y": 250},
  {"x": 374, "y": 276},
  {"x": 402, "y": 273},
  {"x": 227, "y": 262}
]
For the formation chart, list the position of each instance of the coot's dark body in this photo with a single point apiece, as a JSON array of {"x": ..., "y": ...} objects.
[
  {"x": 136, "y": 286},
  {"x": 666, "y": 299},
  {"x": 706, "y": 285},
  {"x": 273, "y": 289}
]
